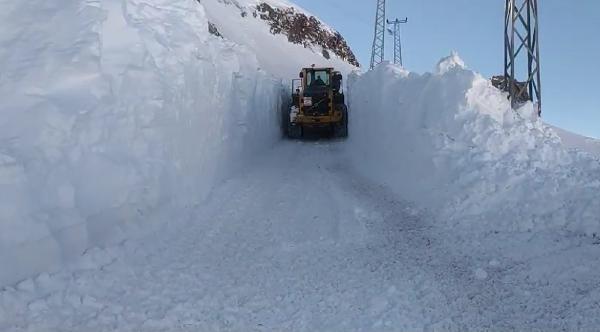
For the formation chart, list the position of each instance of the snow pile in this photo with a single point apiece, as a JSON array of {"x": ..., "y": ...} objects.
[
  {"x": 449, "y": 63},
  {"x": 111, "y": 110},
  {"x": 450, "y": 141}
]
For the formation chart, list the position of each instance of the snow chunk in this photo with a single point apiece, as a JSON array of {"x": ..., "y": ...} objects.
[
  {"x": 449, "y": 63},
  {"x": 481, "y": 274}
]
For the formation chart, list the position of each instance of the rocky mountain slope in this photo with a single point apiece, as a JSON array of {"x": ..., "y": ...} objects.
[
  {"x": 265, "y": 26},
  {"x": 306, "y": 30}
]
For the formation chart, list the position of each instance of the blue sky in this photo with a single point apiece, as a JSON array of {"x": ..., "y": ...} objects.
[{"x": 569, "y": 42}]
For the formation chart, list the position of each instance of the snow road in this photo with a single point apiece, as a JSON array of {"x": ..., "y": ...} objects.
[{"x": 297, "y": 241}]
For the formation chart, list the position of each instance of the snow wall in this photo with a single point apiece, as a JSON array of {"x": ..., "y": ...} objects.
[
  {"x": 450, "y": 141},
  {"x": 111, "y": 110}
]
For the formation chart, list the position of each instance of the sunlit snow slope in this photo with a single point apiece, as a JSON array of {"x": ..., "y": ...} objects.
[{"x": 578, "y": 142}]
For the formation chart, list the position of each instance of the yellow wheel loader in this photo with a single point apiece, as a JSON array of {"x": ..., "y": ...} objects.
[{"x": 318, "y": 104}]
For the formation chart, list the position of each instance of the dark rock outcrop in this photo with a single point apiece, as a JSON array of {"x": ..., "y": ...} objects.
[
  {"x": 302, "y": 29},
  {"x": 502, "y": 83},
  {"x": 213, "y": 30}
]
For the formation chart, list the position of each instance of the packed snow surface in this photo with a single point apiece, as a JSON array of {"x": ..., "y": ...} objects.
[{"x": 297, "y": 241}]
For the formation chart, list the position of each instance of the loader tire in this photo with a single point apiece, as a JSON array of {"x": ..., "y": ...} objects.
[
  {"x": 341, "y": 130},
  {"x": 294, "y": 131},
  {"x": 285, "y": 121}
]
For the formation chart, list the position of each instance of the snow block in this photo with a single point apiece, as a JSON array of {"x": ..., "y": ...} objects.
[{"x": 110, "y": 110}]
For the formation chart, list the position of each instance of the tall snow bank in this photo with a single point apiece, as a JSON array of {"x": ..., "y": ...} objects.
[
  {"x": 450, "y": 141},
  {"x": 110, "y": 110}
]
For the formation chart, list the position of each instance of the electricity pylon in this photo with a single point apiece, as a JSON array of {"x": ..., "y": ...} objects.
[
  {"x": 378, "y": 50},
  {"x": 397, "y": 40},
  {"x": 521, "y": 46}
]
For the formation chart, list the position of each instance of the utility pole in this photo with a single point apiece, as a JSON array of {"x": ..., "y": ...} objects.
[
  {"x": 397, "y": 39},
  {"x": 521, "y": 47},
  {"x": 378, "y": 50}
]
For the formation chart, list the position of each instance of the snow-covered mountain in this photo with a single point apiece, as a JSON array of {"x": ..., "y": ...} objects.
[{"x": 283, "y": 36}]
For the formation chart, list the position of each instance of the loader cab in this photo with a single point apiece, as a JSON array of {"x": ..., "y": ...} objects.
[
  {"x": 318, "y": 79},
  {"x": 318, "y": 86}
]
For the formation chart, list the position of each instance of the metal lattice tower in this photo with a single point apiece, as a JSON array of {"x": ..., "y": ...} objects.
[
  {"x": 521, "y": 47},
  {"x": 379, "y": 38},
  {"x": 397, "y": 39}
]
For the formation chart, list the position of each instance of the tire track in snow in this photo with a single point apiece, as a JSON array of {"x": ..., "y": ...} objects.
[{"x": 294, "y": 241}]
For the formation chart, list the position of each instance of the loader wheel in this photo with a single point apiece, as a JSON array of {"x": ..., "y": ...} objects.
[
  {"x": 285, "y": 121},
  {"x": 341, "y": 130},
  {"x": 294, "y": 131}
]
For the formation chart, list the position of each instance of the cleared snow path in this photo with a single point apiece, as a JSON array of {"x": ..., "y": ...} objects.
[{"x": 296, "y": 241}]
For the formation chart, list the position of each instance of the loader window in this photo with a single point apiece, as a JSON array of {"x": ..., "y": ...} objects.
[{"x": 317, "y": 78}]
